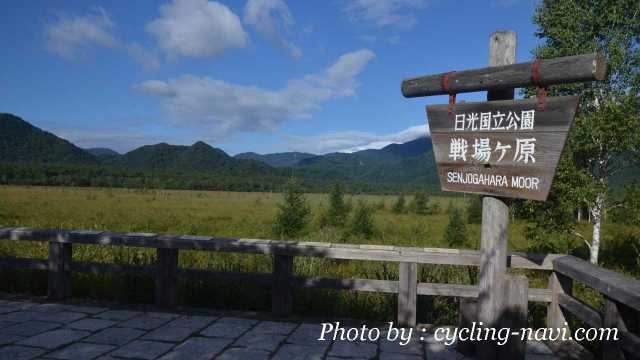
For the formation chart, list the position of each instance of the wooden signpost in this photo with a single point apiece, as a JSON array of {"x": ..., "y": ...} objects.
[
  {"x": 507, "y": 148},
  {"x": 502, "y": 148}
]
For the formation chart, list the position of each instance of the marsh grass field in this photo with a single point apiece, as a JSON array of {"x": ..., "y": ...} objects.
[{"x": 237, "y": 214}]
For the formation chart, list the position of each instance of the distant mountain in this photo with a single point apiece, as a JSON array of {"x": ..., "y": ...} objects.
[
  {"x": 197, "y": 157},
  {"x": 102, "y": 152},
  {"x": 284, "y": 159},
  {"x": 21, "y": 142},
  {"x": 411, "y": 162}
]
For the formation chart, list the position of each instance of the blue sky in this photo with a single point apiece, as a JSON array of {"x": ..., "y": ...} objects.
[{"x": 242, "y": 75}]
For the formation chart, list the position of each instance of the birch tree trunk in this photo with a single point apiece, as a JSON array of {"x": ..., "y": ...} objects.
[{"x": 596, "y": 211}]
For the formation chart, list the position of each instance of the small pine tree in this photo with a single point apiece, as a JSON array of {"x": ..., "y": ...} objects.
[
  {"x": 398, "y": 207},
  {"x": 455, "y": 235},
  {"x": 338, "y": 210},
  {"x": 362, "y": 221},
  {"x": 474, "y": 210},
  {"x": 420, "y": 204},
  {"x": 293, "y": 214}
]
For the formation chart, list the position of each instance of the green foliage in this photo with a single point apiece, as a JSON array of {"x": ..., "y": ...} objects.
[
  {"x": 628, "y": 211},
  {"x": 474, "y": 210},
  {"x": 399, "y": 206},
  {"x": 455, "y": 234},
  {"x": 604, "y": 138},
  {"x": 294, "y": 213},
  {"x": 420, "y": 204},
  {"x": 362, "y": 223},
  {"x": 338, "y": 211}
]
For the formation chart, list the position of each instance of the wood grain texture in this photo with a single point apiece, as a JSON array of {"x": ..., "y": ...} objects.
[
  {"x": 514, "y": 316},
  {"x": 407, "y": 294},
  {"x": 550, "y": 131},
  {"x": 561, "y": 70},
  {"x": 166, "y": 278},
  {"x": 281, "y": 290},
  {"x": 59, "y": 283}
]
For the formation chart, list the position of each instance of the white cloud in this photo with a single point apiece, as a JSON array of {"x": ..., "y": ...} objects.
[
  {"x": 272, "y": 18},
  {"x": 143, "y": 56},
  {"x": 227, "y": 108},
  {"x": 197, "y": 28},
  {"x": 399, "y": 13},
  {"x": 351, "y": 141},
  {"x": 69, "y": 35}
]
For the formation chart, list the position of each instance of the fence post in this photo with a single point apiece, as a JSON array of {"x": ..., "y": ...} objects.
[
  {"x": 167, "y": 278},
  {"x": 558, "y": 284},
  {"x": 514, "y": 316},
  {"x": 467, "y": 315},
  {"x": 281, "y": 292},
  {"x": 612, "y": 318},
  {"x": 407, "y": 294},
  {"x": 59, "y": 271}
]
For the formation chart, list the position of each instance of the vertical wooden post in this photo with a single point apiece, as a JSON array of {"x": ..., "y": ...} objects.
[
  {"x": 167, "y": 278},
  {"x": 281, "y": 292},
  {"x": 59, "y": 274},
  {"x": 558, "y": 284},
  {"x": 611, "y": 350},
  {"x": 407, "y": 294},
  {"x": 495, "y": 217},
  {"x": 467, "y": 315},
  {"x": 514, "y": 316}
]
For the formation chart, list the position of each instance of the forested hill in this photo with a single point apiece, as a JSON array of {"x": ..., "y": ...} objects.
[
  {"x": 21, "y": 142},
  {"x": 284, "y": 159}
]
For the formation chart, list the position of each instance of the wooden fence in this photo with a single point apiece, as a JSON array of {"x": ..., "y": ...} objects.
[{"x": 621, "y": 293}]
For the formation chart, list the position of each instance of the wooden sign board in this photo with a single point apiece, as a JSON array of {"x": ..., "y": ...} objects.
[{"x": 504, "y": 148}]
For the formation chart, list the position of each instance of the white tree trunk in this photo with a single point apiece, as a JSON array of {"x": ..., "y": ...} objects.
[{"x": 596, "y": 211}]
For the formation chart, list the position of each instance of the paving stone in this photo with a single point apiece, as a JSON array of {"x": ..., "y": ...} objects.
[
  {"x": 115, "y": 336},
  {"x": 414, "y": 346},
  {"x": 197, "y": 348},
  {"x": 300, "y": 352},
  {"x": 29, "y": 328},
  {"x": 537, "y": 347},
  {"x": 7, "y": 309},
  {"x": 335, "y": 358},
  {"x": 117, "y": 315},
  {"x": 162, "y": 315},
  {"x": 20, "y": 316},
  {"x": 85, "y": 309},
  {"x": 192, "y": 322},
  {"x": 91, "y": 324},
  {"x": 81, "y": 351},
  {"x": 139, "y": 349},
  {"x": 305, "y": 333},
  {"x": 19, "y": 353},
  {"x": 63, "y": 317},
  {"x": 396, "y": 356},
  {"x": 243, "y": 354},
  {"x": 145, "y": 322},
  {"x": 4, "y": 324},
  {"x": 438, "y": 351},
  {"x": 273, "y": 327},
  {"x": 48, "y": 307},
  {"x": 228, "y": 328},
  {"x": 6, "y": 339},
  {"x": 54, "y": 339},
  {"x": 268, "y": 342},
  {"x": 170, "y": 334},
  {"x": 353, "y": 349}
]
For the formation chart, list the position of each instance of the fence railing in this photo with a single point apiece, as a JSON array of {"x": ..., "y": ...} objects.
[{"x": 622, "y": 294}]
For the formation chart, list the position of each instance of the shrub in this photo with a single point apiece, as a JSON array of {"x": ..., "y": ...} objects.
[
  {"x": 362, "y": 221},
  {"x": 474, "y": 210},
  {"x": 455, "y": 235},
  {"x": 293, "y": 214},
  {"x": 398, "y": 207},
  {"x": 420, "y": 204},
  {"x": 336, "y": 214}
]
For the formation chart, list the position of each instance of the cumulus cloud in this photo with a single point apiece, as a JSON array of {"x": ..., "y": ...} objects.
[
  {"x": 382, "y": 13},
  {"x": 227, "y": 108},
  {"x": 69, "y": 35},
  {"x": 197, "y": 28},
  {"x": 351, "y": 141},
  {"x": 272, "y": 18}
]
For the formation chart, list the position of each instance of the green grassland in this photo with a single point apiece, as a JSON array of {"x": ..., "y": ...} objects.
[{"x": 235, "y": 214}]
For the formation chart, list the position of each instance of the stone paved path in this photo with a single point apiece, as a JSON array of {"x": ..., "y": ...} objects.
[{"x": 32, "y": 330}]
